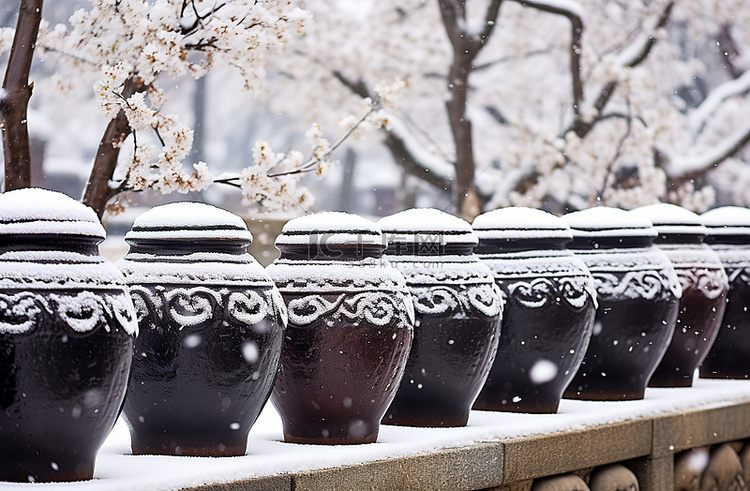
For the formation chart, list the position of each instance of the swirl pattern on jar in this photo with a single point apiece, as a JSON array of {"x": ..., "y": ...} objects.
[
  {"x": 704, "y": 288},
  {"x": 549, "y": 309},
  {"x": 350, "y": 329},
  {"x": 729, "y": 236},
  {"x": 212, "y": 324},
  {"x": 638, "y": 300},
  {"x": 458, "y": 313},
  {"x": 66, "y": 338}
]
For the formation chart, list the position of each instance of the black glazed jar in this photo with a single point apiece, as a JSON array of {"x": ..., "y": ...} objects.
[
  {"x": 66, "y": 338},
  {"x": 458, "y": 314},
  {"x": 549, "y": 309},
  {"x": 704, "y": 290},
  {"x": 350, "y": 329},
  {"x": 638, "y": 294},
  {"x": 211, "y": 329},
  {"x": 729, "y": 236}
]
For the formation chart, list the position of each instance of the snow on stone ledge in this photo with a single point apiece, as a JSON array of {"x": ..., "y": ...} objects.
[{"x": 268, "y": 455}]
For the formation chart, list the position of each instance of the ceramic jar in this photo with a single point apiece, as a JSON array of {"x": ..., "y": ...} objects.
[
  {"x": 638, "y": 294},
  {"x": 458, "y": 313},
  {"x": 549, "y": 309},
  {"x": 704, "y": 289},
  {"x": 729, "y": 236},
  {"x": 350, "y": 329},
  {"x": 66, "y": 338},
  {"x": 211, "y": 328}
]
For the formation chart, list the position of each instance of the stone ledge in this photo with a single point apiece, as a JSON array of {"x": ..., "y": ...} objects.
[{"x": 501, "y": 450}]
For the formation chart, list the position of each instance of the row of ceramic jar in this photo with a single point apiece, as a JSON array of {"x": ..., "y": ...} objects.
[{"x": 340, "y": 338}]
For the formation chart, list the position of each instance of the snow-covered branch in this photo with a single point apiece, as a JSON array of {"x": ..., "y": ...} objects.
[
  {"x": 718, "y": 96},
  {"x": 700, "y": 160}
]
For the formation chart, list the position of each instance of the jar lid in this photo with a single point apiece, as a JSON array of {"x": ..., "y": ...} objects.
[
  {"x": 35, "y": 211},
  {"x": 669, "y": 219},
  {"x": 520, "y": 223},
  {"x": 330, "y": 228},
  {"x": 606, "y": 222},
  {"x": 727, "y": 220},
  {"x": 427, "y": 225},
  {"x": 189, "y": 221}
]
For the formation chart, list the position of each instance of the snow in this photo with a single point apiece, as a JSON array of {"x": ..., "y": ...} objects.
[
  {"x": 340, "y": 276},
  {"x": 520, "y": 223},
  {"x": 433, "y": 162},
  {"x": 604, "y": 221},
  {"x": 268, "y": 455},
  {"x": 672, "y": 219},
  {"x": 718, "y": 95},
  {"x": 40, "y": 211},
  {"x": 427, "y": 224},
  {"x": 330, "y": 228},
  {"x": 188, "y": 220},
  {"x": 727, "y": 220},
  {"x": 698, "y": 159}
]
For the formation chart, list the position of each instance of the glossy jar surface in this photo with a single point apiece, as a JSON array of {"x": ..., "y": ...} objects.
[
  {"x": 638, "y": 298},
  {"x": 350, "y": 329},
  {"x": 729, "y": 236},
  {"x": 549, "y": 309},
  {"x": 458, "y": 314},
  {"x": 66, "y": 338},
  {"x": 211, "y": 329},
  {"x": 704, "y": 289}
]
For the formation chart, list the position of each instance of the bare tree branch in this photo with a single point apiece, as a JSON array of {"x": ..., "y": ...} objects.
[
  {"x": 576, "y": 24},
  {"x": 634, "y": 56},
  {"x": 729, "y": 51},
  {"x": 14, "y": 100},
  {"x": 98, "y": 190}
]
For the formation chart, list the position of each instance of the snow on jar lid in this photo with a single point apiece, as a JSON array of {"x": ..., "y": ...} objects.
[
  {"x": 603, "y": 225},
  {"x": 33, "y": 211},
  {"x": 727, "y": 220},
  {"x": 427, "y": 225},
  {"x": 520, "y": 223},
  {"x": 330, "y": 228},
  {"x": 672, "y": 220},
  {"x": 188, "y": 221}
]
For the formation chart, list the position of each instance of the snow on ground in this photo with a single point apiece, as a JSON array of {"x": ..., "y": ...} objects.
[{"x": 268, "y": 455}]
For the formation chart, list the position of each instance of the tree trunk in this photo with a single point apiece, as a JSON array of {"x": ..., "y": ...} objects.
[
  {"x": 98, "y": 192},
  {"x": 14, "y": 100}
]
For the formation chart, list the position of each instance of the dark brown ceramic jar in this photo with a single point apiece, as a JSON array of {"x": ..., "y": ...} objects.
[
  {"x": 638, "y": 294},
  {"x": 549, "y": 309},
  {"x": 211, "y": 323},
  {"x": 458, "y": 313},
  {"x": 729, "y": 236},
  {"x": 704, "y": 289},
  {"x": 350, "y": 329},
  {"x": 66, "y": 338}
]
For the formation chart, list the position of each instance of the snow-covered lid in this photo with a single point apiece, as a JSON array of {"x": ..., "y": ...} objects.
[
  {"x": 34, "y": 211},
  {"x": 427, "y": 225},
  {"x": 607, "y": 222},
  {"x": 188, "y": 221},
  {"x": 520, "y": 223},
  {"x": 727, "y": 220},
  {"x": 330, "y": 228},
  {"x": 669, "y": 219}
]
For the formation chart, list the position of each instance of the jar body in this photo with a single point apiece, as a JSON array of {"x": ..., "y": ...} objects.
[
  {"x": 350, "y": 331},
  {"x": 458, "y": 314},
  {"x": 638, "y": 293},
  {"x": 204, "y": 364},
  {"x": 729, "y": 358},
  {"x": 547, "y": 324},
  {"x": 704, "y": 289},
  {"x": 66, "y": 340}
]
